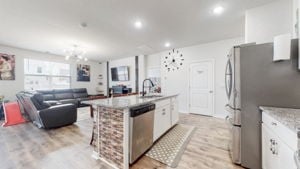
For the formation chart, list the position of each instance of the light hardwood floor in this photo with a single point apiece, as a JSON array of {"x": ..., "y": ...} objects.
[{"x": 27, "y": 147}]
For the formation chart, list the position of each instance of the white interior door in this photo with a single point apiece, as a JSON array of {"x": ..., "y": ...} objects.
[{"x": 201, "y": 94}]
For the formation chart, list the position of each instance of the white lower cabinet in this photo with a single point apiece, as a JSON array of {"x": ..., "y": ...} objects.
[
  {"x": 165, "y": 116},
  {"x": 162, "y": 121},
  {"x": 276, "y": 152},
  {"x": 285, "y": 156},
  {"x": 270, "y": 159},
  {"x": 174, "y": 111}
]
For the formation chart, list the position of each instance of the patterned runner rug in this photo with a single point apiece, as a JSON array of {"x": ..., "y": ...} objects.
[{"x": 170, "y": 147}]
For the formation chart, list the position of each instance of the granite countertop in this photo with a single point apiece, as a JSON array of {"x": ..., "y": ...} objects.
[
  {"x": 126, "y": 102},
  {"x": 287, "y": 116}
]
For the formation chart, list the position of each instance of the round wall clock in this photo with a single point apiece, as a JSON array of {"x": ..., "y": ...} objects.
[{"x": 173, "y": 60}]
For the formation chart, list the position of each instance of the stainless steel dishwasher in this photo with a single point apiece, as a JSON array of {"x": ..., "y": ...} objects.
[{"x": 141, "y": 130}]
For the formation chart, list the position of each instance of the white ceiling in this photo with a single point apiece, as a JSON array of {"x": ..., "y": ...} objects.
[{"x": 54, "y": 25}]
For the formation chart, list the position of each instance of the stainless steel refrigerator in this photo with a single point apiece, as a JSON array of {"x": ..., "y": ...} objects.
[{"x": 253, "y": 80}]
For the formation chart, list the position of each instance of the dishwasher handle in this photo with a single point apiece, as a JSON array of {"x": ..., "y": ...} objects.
[{"x": 141, "y": 109}]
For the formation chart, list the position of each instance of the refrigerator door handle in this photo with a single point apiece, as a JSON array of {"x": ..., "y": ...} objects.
[{"x": 228, "y": 79}]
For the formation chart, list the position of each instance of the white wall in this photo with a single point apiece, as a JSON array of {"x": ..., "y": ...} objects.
[
  {"x": 10, "y": 88},
  {"x": 129, "y": 61},
  {"x": 177, "y": 82},
  {"x": 265, "y": 22},
  {"x": 295, "y": 18},
  {"x": 142, "y": 71}
]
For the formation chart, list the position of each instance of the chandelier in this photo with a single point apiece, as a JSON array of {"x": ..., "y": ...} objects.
[{"x": 75, "y": 53}]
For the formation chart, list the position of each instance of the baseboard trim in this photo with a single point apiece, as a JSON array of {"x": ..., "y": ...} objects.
[
  {"x": 220, "y": 116},
  {"x": 183, "y": 112}
]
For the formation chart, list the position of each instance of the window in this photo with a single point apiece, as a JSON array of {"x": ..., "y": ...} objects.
[{"x": 40, "y": 74}]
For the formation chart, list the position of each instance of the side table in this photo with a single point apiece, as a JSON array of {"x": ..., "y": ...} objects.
[{"x": 1, "y": 110}]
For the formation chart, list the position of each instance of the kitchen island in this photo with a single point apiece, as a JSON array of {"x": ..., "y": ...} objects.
[{"x": 111, "y": 129}]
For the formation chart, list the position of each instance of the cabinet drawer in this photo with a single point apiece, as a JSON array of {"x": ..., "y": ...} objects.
[
  {"x": 284, "y": 133},
  {"x": 162, "y": 103}
]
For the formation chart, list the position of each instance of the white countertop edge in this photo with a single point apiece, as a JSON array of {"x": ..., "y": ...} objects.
[{"x": 147, "y": 100}]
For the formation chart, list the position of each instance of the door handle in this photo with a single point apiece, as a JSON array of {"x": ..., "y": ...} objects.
[{"x": 211, "y": 91}]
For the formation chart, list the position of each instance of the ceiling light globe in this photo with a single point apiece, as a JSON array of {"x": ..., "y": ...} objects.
[
  {"x": 138, "y": 24},
  {"x": 218, "y": 10},
  {"x": 167, "y": 44}
]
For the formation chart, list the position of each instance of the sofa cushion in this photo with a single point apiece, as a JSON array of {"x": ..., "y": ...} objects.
[
  {"x": 45, "y": 91},
  {"x": 67, "y": 101},
  {"x": 39, "y": 98},
  {"x": 62, "y": 91},
  {"x": 47, "y": 94},
  {"x": 80, "y": 95},
  {"x": 63, "y": 96},
  {"x": 79, "y": 90},
  {"x": 38, "y": 101},
  {"x": 48, "y": 97},
  {"x": 52, "y": 102},
  {"x": 83, "y": 99}
]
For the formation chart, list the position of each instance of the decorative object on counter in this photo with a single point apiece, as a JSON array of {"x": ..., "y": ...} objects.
[
  {"x": 7, "y": 67},
  {"x": 111, "y": 93},
  {"x": 173, "y": 60},
  {"x": 282, "y": 47},
  {"x": 83, "y": 73},
  {"x": 171, "y": 146},
  {"x": 155, "y": 76}
]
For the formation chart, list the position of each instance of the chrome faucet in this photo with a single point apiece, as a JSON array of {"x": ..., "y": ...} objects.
[{"x": 152, "y": 84}]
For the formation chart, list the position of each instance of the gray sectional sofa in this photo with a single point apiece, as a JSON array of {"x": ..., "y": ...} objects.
[
  {"x": 65, "y": 96},
  {"x": 44, "y": 115},
  {"x": 52, "y": 108}
]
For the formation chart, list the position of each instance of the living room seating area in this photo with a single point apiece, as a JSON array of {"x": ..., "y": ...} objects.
[
  {"x": 44, "y": 115},
  {"x": 52, "y": 108}
]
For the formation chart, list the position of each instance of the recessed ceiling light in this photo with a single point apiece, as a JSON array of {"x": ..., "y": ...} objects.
[
  {"x": 138, "y": 24},
  {"x": 167, "y": 44},
  {"x": 218, "y": 10}
]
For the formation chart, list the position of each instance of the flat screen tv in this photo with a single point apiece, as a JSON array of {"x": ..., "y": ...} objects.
[{"x": 120, "y": 73}]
